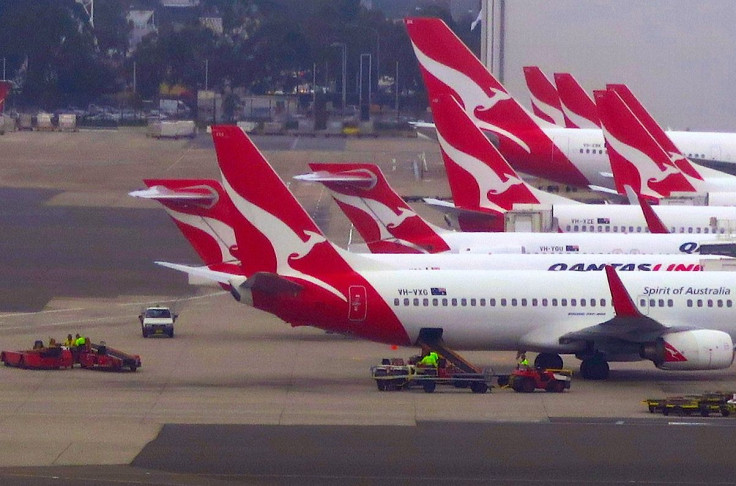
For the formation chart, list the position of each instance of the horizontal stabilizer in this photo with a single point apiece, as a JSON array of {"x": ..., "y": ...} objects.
[
  {"x": 448, "y": 207},
  {"x": 357, "y": 179},
  {"x": 206, "y": 273},
  {"x": 190, "y": 194}
]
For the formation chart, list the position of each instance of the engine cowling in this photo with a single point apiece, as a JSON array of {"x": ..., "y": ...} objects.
[{"x": 699, "y": 349}]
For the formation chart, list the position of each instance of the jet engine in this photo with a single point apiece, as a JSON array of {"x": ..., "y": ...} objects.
[{"x": 699, "y": 349}]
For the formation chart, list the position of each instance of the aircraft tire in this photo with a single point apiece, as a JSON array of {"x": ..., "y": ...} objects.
[{"x": 547, "y": 361}]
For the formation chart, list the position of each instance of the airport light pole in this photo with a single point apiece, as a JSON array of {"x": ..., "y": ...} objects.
[{"x": 344, "y": 67}]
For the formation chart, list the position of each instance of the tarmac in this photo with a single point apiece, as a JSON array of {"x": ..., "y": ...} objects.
[{"x": 78, "y": 257}]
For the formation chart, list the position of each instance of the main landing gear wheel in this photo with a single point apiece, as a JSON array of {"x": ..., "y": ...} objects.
[
  {"x": 595, "y": 368},
  {"x": 548, "y": 361}
]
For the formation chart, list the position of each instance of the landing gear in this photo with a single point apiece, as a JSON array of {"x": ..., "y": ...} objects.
[
  {"x": 548, "y": 361},
  {"x": 594, "y": 368}
]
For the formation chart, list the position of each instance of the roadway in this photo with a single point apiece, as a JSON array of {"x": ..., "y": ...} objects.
[{"x": 238, "y": 397}]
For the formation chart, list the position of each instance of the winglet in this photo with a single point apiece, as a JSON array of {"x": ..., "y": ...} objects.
[
  {"x": 654, "y": 223},
  {"x": 623, "y": 304}
]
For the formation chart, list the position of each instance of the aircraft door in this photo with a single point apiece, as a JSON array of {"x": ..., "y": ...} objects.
[{"x": 358, "y": 303}]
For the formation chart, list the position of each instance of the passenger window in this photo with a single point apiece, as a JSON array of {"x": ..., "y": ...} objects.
[
  {"x": 697, "y": 230},
  {"x": 513, "y": 302},
  {"x": 567, "y": 228},
  {"x": 503, "y": 302},
  {"x": 492, "y": 302},
  {"x": 396, "y": 302},
  {"x": 554, "y": 302},
  {"x": 472, "y": 302},
  {"x": 425, "y": 302},
  {"x": 435, "y": 302},
  {"x": 544, "y": 302},
  {"x": 582, "y": 302},
  {"x": 603, "y": 302},
  {"x": 690, "y": 229},
  {"x": 482, "y": 302},
  {"x": 534, "y": 302},
  {"x": 453, "y": 302},
  {"x": 574, "y": 302},
  {"x": 661, "y": 302},
  {"x": 710, "y": 302},
  {"x": 563, "y": 302},
  {"x": 720, "y": 303},
  {"x": 576, "y": 228},
  {"x": 463, "y": 302},
  {"x": 705, "y": 230},
  {"x": 700, "y": 302},
  {"x": 444, "y": 302},
  {"x": 608, "y": 229},
  {"x": 729, "y": 303},
  {"x": 406, "y": 302},
  {"x": 592, "y": 228},
  {"x": 583, "y": 228},
  {"x": 652, "y": 303},
  {"x": 689, "y": 302},
  {"x": 416, "y": 302},
  {"x": 642, "y": 302},
  {"x": 670, "y": 303},
  {"x": 592, "y": 302},
  {"x": 523, "y": 302}
]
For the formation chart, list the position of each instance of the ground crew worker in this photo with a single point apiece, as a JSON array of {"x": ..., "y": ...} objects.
[
  {"x": 523, "y": 362},
  {"x": 431, "y": 359},
  {"x": 69, "y": 341},
  {"x": 79, "y": 341}
]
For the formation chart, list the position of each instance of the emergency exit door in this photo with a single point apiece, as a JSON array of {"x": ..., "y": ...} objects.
[{"x": 358, "y": 303}]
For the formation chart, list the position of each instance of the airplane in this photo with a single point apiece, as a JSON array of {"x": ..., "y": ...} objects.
[
  {"x": 295, "y": 273},
  {"x": 202, "y": 211},
  {"x": 631, "y": 124},
  {"x": 578, "y": 108},
  {"x": 481, "y": 181},
  {"x": 388, "y": 224},
  {"x": 544, "y": 97},
  {"x": 532, "y": 146}
]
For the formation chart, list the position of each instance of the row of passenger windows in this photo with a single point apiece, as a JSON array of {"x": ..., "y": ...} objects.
[
  {"x": 502, "y": 302},
  {"x": 602, "y": 151},
  {"x": 639, "y": 229},
  {"x": 534, "y": 302}
]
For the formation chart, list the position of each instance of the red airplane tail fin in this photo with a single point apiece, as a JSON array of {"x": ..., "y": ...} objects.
[
  {"x": 636, "y": 158},
  {"x": 202, "y": 211},
  {"x": 384, "y": 220},
  {"x": 545, "y": 99},
  {"x": 678, "y": 159},
  {"x": 578, "y": 107},
  {"x": 449, "y": 68},
  {"x": 479, "y": 176}
]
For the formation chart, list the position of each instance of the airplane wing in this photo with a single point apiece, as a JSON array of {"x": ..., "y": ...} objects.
[{"x": 628, "y": 324}]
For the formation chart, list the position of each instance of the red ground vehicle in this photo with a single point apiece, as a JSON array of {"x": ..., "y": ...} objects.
[
  {"x": 526, "y": 380},
  {"x": 103, "y": 357},
  {"x": 41, "y": 358}
]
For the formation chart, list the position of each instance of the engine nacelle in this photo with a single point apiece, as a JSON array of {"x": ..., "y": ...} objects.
[{"x": 699, "y": 349}]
